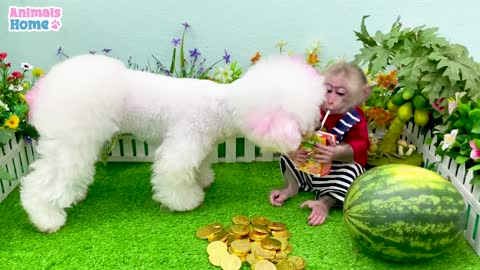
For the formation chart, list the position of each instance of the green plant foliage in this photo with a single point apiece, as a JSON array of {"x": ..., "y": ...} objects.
[{"x": 425, "y": 61}]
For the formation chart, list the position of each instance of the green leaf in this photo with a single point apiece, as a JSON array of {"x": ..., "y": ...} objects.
[
  {"x": 429, "y": 38},
  {"x": 436, "y": 56},
  {"x": 429, "y": 141},
  {"x": 452, "y": 70},
  {"x": 476, "y": 128},
  {"x": 182, "y": 56},
  {"x": 5, "y": 136},
  {"x": 108, "y": 146},
  {"x": 474, "y": 115},
  {"x": 461, "y": 159},
  {"x": 4, "y": 175},
  {"x": 364, "y": 36},
  {"x": 435, "y": 85},
  {"x": 474, "y": 168},
  {"x": 475, "y": 180},
  {"x": 172, "y": 65},
  {"x": 366, "y": 55},
  {"x": 381, "y": 60}
]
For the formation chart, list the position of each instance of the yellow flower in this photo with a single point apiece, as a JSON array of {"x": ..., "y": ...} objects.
[
  {"x": 12, "y": 121},
  {"x": 22, "y": 96},
  {"x": 37, "y": 72},
  {"x": 312, "y": 59}
]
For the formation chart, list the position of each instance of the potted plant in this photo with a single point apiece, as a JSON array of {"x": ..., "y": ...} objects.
[{"x": 430, "y": 71}]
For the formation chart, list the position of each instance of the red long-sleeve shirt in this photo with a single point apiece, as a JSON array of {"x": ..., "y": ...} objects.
[{"x": 356, "y": 137}]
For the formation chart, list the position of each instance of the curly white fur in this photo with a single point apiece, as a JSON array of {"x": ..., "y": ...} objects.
[{"x": 85, "y": 100}]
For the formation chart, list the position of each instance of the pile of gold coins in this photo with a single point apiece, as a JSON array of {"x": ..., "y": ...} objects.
[{"x": 260, "y": 242}]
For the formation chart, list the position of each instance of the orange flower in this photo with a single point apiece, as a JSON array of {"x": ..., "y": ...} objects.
[
  {"x": 312, "y": 59},
  {"x": 256, "y": 57}
]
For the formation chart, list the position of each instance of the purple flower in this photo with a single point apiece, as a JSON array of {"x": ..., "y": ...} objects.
[
  {"x": 194, "y": 53},
  {"x": 186, "y": 25},
  {"x": 106, "y": 50},
  {"x": 226, "y": 57},
  {"x": 176, "y": 42}
]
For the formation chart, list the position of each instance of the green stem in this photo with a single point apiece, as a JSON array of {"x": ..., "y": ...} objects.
[{"x": 389, "y": 141}]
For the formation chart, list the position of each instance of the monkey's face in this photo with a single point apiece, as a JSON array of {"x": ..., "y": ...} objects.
[{"x": 339, "y": 94}]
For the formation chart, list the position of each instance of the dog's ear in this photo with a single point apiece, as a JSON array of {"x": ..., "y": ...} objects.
[{"x": 278, "y": 129}]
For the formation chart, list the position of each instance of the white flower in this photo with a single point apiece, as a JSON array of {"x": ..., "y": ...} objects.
[
  {"x": 223, "y": 75},
  {"x": 314, "y": 47},
  {"x": 15, "y": 88},
  {"x": 26, "y": 66},
  {"x": 4, "y": 106},
  {"x": 453, "y": 103},
  {"x": 449, "y": 139}
]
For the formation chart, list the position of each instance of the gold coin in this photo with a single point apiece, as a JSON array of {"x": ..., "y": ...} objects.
[
  {"x": 217, "y": 226},
  {"x": 251, "y": 259},
  {"x": 264, "y": 254},
  {"x": 259, "y": 220},
  {"x": 277, "y": 226},
  {"x": 230, "y": 239},
  {"x": 254, "y": 245},
  {"x": 283, "y": 241},
  {"x": 281, "y": 234},
  {"x": 257, "y": 236},
  {"x": 216, "y": 246},
  {"x": 285, "y": 265},
  {"x": 264, "y": 265},
  {"x": 218, "y": 236},
  {"x": 280, "y": 256},
  {"x": 231, "y": 262},
  {"x": 242, "y": 220},
  {"x": 271, "y": 243},
  {"x": 298, "y": 261},
  {"x": 204, "y": 232},
  {"x": 261, "y": 228},
  {"x": 240, "y": 246},
  {"x": 289, "y": 248},
  {"x": 239, "y": 229},
  {"x": 216, "y": 258}
]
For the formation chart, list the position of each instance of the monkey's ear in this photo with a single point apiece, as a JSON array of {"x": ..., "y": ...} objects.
[{"x": 366, "y": 92}]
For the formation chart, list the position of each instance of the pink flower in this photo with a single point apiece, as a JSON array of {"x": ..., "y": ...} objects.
[
  {"x": 3, "y": 55},
  {"x": 475, "y": 154},
  {"x": 437, "y": 104}
]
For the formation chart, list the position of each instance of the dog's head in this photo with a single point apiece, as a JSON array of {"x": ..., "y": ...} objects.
[{"x": 277, "y": 102}]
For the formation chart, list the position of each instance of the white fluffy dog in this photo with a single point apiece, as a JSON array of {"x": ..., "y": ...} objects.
[{"x": 82, "y": 102}]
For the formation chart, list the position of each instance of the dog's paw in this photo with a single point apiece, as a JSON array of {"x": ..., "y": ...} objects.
[
  {"x": 48, "y": 219},
  {"x": 185, "y": 199}
]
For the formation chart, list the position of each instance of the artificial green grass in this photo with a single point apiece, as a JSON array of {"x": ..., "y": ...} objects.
[{"x": 119, "y": 226}]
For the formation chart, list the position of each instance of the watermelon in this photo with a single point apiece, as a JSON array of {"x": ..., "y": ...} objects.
[{"x": 404, "y": 213}]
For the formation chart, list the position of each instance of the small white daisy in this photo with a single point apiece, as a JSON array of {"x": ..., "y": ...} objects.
[
  {"x": 26, "y": 66},
  {"x": 15, "y": 88}
]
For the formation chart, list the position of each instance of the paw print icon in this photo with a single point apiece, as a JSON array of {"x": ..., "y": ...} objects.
[{"x": 56, "y": 24}]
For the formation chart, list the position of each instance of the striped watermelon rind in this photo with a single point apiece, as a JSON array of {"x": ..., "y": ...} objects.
[{"x": 404, "y": 213}]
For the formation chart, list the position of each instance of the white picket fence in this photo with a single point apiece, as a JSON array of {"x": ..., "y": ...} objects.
[
  {"x": 17, "y": 155},
  {"x": 130, "y": 149}
]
